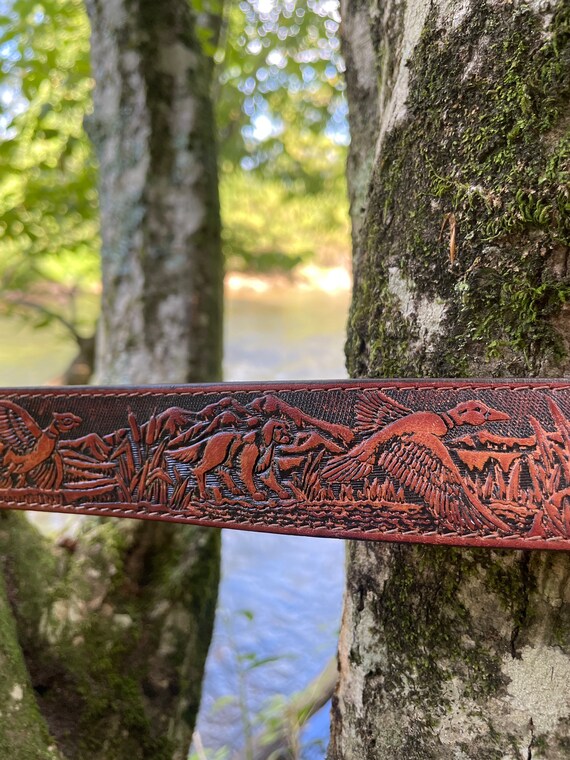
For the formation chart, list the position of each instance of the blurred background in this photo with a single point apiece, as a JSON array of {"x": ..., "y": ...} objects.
[{"x": 282, "y": 134}]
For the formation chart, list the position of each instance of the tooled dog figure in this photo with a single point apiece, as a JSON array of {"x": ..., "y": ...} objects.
[{"x": 250, "y": 453}]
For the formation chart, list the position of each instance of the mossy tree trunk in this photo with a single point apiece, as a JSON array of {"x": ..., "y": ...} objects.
[
  {"x": 458, "y": 176},
  {"x": 103, "y": 638}
]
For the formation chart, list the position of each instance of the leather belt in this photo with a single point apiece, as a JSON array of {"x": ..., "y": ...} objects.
[{"x": 467, "y": 463}]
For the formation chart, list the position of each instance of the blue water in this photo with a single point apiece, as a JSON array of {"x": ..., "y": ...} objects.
[{"x": 280, "y": 596}]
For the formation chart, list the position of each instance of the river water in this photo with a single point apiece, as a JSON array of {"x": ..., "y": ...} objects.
[{"x": 280, "y": 596}]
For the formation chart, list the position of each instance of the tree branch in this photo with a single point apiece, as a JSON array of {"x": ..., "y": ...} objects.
[
  {"x": 282, "y": 742},
  {"x": 21, "y": 301}
]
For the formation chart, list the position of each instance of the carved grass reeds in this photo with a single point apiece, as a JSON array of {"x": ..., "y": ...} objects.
[{"x": 546, "y": 470}]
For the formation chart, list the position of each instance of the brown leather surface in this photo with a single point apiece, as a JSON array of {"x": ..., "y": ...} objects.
[{"x": 469, "y": 463}]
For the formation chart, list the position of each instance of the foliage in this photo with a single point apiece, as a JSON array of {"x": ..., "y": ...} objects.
[
  {"x": 281, "y": 107},
  {"x": 281, "y": 117},
  {"x": 48, "y": 197},
  {"x": 277, "y": 83},
  {"x": 267, "y": 228},
  {"x": 265, "y": 729}
]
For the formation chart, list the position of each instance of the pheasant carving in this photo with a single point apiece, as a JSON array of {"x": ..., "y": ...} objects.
[
  {"x": 28, "y": 454},
  {"x": 409, "y": 447}
]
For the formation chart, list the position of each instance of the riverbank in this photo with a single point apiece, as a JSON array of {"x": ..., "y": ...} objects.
[{"x": 305, "y": 277}]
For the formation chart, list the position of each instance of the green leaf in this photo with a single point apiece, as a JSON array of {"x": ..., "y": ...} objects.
[{"x": 222, "y": 702}]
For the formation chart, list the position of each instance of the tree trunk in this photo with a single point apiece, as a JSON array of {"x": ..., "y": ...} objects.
[
  {"x": 458, "y": 177},
  {"x": 106, "y": 634},
  {"x": 154, "y": 132}
]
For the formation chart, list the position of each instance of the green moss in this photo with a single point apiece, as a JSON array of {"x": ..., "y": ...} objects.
[
  {"x": 92, "y": 622},
  {"x": 431, "y": 639},
  {"x": 109, "y": 691},
  {"x": 511, "y": 583},
  {"x": 423, "y": 622},
  {"x": 112, "y": 671},
  {"x": 30, "y": 565},
  {"x": 24, "y": 734},
  {"x": 539, "y": 746},
  {"x": 486, "y": 138},
  {"x": 521, "y": 305}
]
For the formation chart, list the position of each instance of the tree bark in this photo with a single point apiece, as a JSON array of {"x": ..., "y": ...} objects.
[
  {"x": 154, "y": 133},
  {"x": 458, "y": 175},
  {"x": 104, "y": 636}
]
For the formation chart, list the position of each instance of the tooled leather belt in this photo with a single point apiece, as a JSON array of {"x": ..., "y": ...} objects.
[{"x": 468, "y": 463}]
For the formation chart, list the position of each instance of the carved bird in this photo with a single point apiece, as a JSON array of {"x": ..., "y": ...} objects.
[
  {"x": 409, "y": 447},
  {"x": 28, "y": 454}
]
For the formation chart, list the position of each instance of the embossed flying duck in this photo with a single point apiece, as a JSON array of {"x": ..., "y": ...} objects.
[
  {"x": 28, "y": 454},
  {"x": 409, "y": 447}
]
